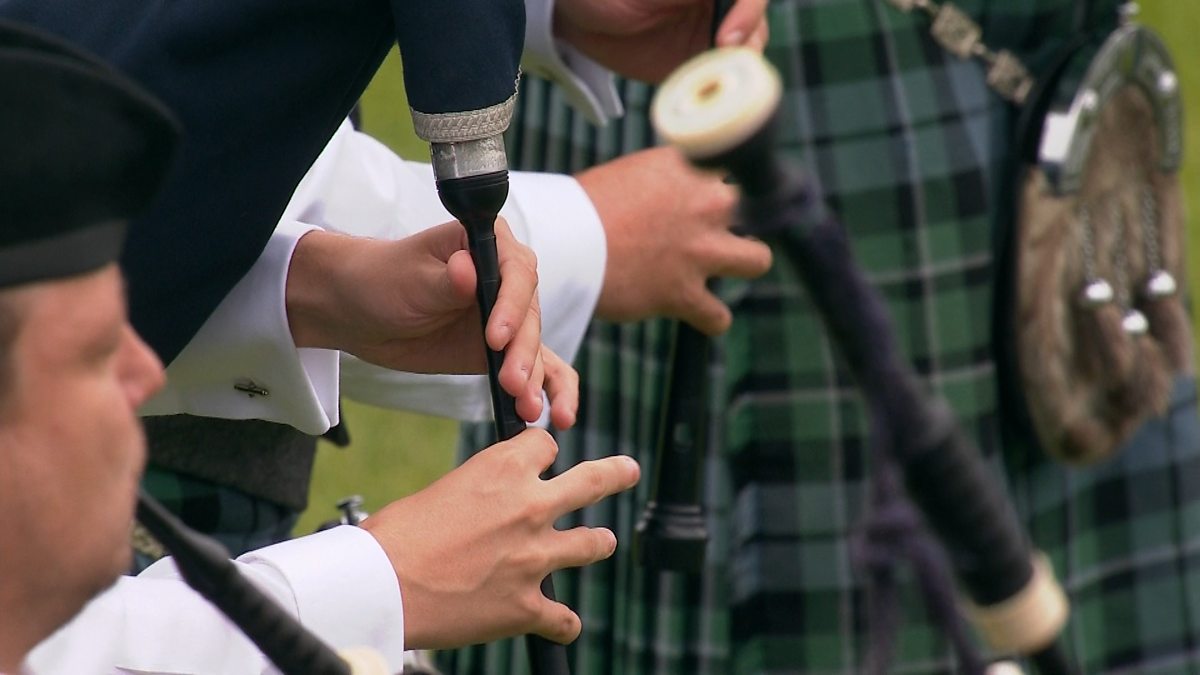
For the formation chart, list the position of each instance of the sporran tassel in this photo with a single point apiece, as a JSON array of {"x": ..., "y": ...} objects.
[
  {"x": 1104, "y": 345},
  {"x": 1170, "y": 327},
  {"x": 1159, "y": 298}
]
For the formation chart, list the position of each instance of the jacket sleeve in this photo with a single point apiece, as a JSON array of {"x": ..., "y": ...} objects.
[{"x": 338, "y": 583}]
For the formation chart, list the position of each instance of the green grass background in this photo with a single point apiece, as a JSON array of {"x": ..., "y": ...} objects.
[{"x": 394, "y": 453}]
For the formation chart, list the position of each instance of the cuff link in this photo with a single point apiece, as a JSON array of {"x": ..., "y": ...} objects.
[{"x": 250, "y": 388}]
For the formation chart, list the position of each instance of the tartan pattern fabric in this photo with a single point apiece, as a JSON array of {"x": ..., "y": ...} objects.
[
  {"x": 241, "y": 522},
  {"x": 906, "y": 144}
]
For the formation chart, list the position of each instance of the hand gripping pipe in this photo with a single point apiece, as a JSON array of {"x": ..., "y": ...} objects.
[
  {"x": 461, "y": 61},
  {"x": 206, "y": 567},
  {"x": 719, "y": 109}
]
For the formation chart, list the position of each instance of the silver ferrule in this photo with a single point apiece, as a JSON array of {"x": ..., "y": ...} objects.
[{"x": 468, "y": 158}]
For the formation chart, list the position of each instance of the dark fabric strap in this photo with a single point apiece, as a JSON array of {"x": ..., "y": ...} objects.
[{"x": 263, "y": 459}]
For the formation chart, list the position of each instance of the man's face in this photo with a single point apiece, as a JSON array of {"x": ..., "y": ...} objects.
[{"x": 71, "y": 445}]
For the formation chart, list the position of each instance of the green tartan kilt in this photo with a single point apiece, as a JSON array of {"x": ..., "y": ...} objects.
[
  {"x": 239, "y": 521},
  {"x": 906, "y": 144}
]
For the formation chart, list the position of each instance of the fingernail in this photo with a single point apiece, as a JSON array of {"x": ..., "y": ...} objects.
[{"x": 732, "y": 38}]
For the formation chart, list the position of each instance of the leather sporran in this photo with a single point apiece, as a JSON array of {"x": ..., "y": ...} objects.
[{"x": 1099, "y": 325}]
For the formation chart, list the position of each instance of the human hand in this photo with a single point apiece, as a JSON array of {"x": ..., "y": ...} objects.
[
  {"x": 667, "y": 227},
  {"x": 410, "y": 305},
  {"x": 471, "y": 550},
  {"x": 647, "y": 39},
  {"x": 562, "y": 389}
]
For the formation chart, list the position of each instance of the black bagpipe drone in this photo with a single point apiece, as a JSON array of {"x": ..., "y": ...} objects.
[{"x": 719, "y": 110}]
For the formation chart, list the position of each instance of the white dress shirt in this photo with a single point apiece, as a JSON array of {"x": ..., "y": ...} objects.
[{"x": 338, "y": 583}]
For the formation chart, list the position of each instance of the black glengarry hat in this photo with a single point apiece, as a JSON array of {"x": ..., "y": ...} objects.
[{"x": 82, "y": 150}]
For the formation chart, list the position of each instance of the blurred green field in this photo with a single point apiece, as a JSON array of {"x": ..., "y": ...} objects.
[{"x": 393, "y": 454}]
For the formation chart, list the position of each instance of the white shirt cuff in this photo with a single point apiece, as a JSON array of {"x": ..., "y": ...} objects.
[
  {"x": 587, "y": 85},
  {"x": 338, "y": 583},
  {"x": 344, "y": 588},
  {"x": 243, "y": 363}
]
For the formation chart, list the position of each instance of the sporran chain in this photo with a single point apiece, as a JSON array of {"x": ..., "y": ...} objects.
[{"x": 959, "y": 34}]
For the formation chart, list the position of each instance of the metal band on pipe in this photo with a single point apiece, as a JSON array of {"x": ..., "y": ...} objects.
[{"x": 1028, "y": 621}]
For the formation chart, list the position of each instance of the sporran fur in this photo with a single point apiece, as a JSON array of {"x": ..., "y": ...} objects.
[{"x": 1100, "y": 329}]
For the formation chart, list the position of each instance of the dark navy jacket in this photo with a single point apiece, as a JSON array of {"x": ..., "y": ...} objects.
[{"x": 260, "y": 86}]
